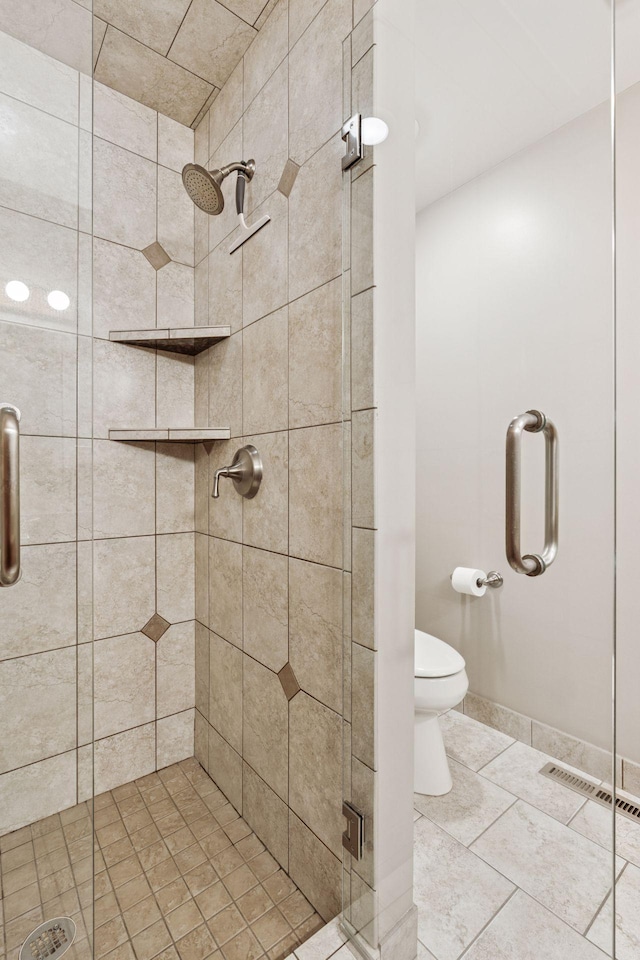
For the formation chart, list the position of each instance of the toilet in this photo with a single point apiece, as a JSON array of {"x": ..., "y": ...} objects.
[{"x": 440, "y": 683}]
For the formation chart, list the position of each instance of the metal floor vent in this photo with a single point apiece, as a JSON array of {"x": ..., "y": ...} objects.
[
  {"x": 51, "y": 939},
  {"x": 591, "y": 790}
]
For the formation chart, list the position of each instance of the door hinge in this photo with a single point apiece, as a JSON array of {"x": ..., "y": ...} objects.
[
  {"x": 353, "y": 837},
  {"x": 352, "y": 135}
]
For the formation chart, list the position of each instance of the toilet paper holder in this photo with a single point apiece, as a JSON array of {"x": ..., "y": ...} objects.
[{"x": 493, "y": 579}]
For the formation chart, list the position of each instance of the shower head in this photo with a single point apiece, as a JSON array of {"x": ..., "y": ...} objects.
[{"x": 205, "y": 186}]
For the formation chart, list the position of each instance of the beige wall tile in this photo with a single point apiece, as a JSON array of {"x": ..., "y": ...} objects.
[
  {"x": 132, "y": 179},
  {"x": 39, "y": 612},
  {"x": 22, "y": 799},
  {"x": 266, "y": 814},
  {"x": 264, "y": 519},
  {"x": 210, "y": 41},
  {"x": 225, "y": 690},
  {"x": 225, "y": 513},
  {"x": 264, "y": 389},
  {"x": 175, "y": 296},
  {"x": 316, "y": 65},
  {"x": 176, "y": 669},
  {"x": 47, "y": 489},
  {"x": 225, "y": 589},
  {"x": 315, "y": 357},
  {"x": 175, "y": 143},
  {"x": 314, "y": 869},
  {"x": 225, "y": 286},
  {"x": 125, "y": 122},
  {"x": 39, "y": 374},
  {"x": 124, "y": 585},
  {"x": 175, "y": 573},
  {"x": 123, "y": 387},
  {"x": 315, "y": 497},
  {"x": 123, "y": 489},
  {"x": 362, "y": 587},
  {"x": 201, "y": 741},
  {"x": 225, "y": 767},
  {"x": 362, "y": 702},
  {"x": 202, "y": 578},
  {"x": 175, "y": 738},
  {"x": 265, "y": 133},
  {"x": 226, "y": 111},
  {"x": 175, "y": 390},
  {"x": 225, "y": 390},
  {"x": 265, "y": 725},
  {"x": 202, "y": 669},
  {"x": 124, "y": 679},
  {"x": 45, "y": 257},
  {"x": 267, "y": 51},
  {"x": 124, "y": 756},
  {"x": 584, "y": 756},
  {"x": 37, "y": 707},
  {"x": 59, "y": 30},
  {"x": 154, "y": 24},
  {"x": 124, "y": 289},
  {"x": 265, "y": 261},
  {"x": 315, "y": 630},
  {"x": 362, "y": 468},
  {"x": 265, "y": 607},
  {"x": 42, "y": 151},
  {"x": 141, "y": 73},
  {"x": 174, "y": 487},
  {"x": 175, "y": 217},
  {"x": 315, "y": 221},
  {"x": 315, "y": 769},
  {"x": 301, "y": 13},
  {"x": 362, "y": 386},
  {"x": 362, "y": 233}
]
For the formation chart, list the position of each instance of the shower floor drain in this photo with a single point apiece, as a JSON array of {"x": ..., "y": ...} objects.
[
  {"x": 591, "y": 790},
  {"x": 51, "y": 939}
]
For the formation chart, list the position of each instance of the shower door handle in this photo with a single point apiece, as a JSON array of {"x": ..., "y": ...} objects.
[
  {"x": 10, "y": 494},
  {"x": 531, "y": 564}
]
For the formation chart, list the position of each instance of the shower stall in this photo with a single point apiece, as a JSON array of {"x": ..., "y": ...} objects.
[{"x": 188, "y": 755}]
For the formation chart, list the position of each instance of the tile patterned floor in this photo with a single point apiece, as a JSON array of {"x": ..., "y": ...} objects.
[
  {"x": 512, "y": 866},
  {"x": 179, "y": 876}
]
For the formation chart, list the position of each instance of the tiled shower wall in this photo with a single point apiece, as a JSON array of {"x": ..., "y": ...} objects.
[
  {"x": 143, "y": 493},
  {"x": 269, "y": 571},
  {"x": 117, "y": 652}
]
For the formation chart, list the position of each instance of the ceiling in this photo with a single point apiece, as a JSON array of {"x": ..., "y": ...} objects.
[
  {"x": 495, "y": 76},
  {"x": 173, "y": 55}
]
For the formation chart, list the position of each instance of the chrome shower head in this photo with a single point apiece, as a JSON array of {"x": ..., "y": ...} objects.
[{"x": 205, "y": 186}]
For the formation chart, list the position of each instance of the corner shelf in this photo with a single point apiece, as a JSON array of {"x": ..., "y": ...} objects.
[
  {"x": 187, "y": 340},
  {"x": 170, "y": 435}
]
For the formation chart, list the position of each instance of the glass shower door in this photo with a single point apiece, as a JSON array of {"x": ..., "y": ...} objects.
[
  {"x": 46, "y": 848},
  {"x": 515, "y": 314}
]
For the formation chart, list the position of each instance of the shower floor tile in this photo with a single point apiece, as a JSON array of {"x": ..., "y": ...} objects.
[
  {"x": 549, "y": 845},
  {"x": 179, "y": 875}
]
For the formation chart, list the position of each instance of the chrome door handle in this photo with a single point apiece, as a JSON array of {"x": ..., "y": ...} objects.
[
  {"x": 10, "y": 493},
  {"x": 531, "y": 564}
]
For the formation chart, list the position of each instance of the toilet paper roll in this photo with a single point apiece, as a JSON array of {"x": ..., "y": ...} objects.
[{"x": 465, "y": 580}]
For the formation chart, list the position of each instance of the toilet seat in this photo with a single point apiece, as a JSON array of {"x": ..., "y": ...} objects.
[{"x": 434, "y": 658}]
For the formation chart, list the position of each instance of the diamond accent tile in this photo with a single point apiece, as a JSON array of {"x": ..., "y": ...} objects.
[
  {"x": 288, "y": 178},
  {"x": 289, "y": 682},
  {"x": 156, "y": 627},
  {"x": 157, "y": 255}
]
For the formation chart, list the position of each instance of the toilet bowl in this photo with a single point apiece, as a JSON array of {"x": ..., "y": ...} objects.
[{"x": 440, "y": 683}]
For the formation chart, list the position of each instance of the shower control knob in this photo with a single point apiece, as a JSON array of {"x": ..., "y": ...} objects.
[{"x": 245, "y": 471}]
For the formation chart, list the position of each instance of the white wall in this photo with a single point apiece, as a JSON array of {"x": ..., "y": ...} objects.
[{"x": 514, "y": 312}]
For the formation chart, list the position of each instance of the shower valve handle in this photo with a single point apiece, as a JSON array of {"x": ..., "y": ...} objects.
[{"x": 245, "y": 471}]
